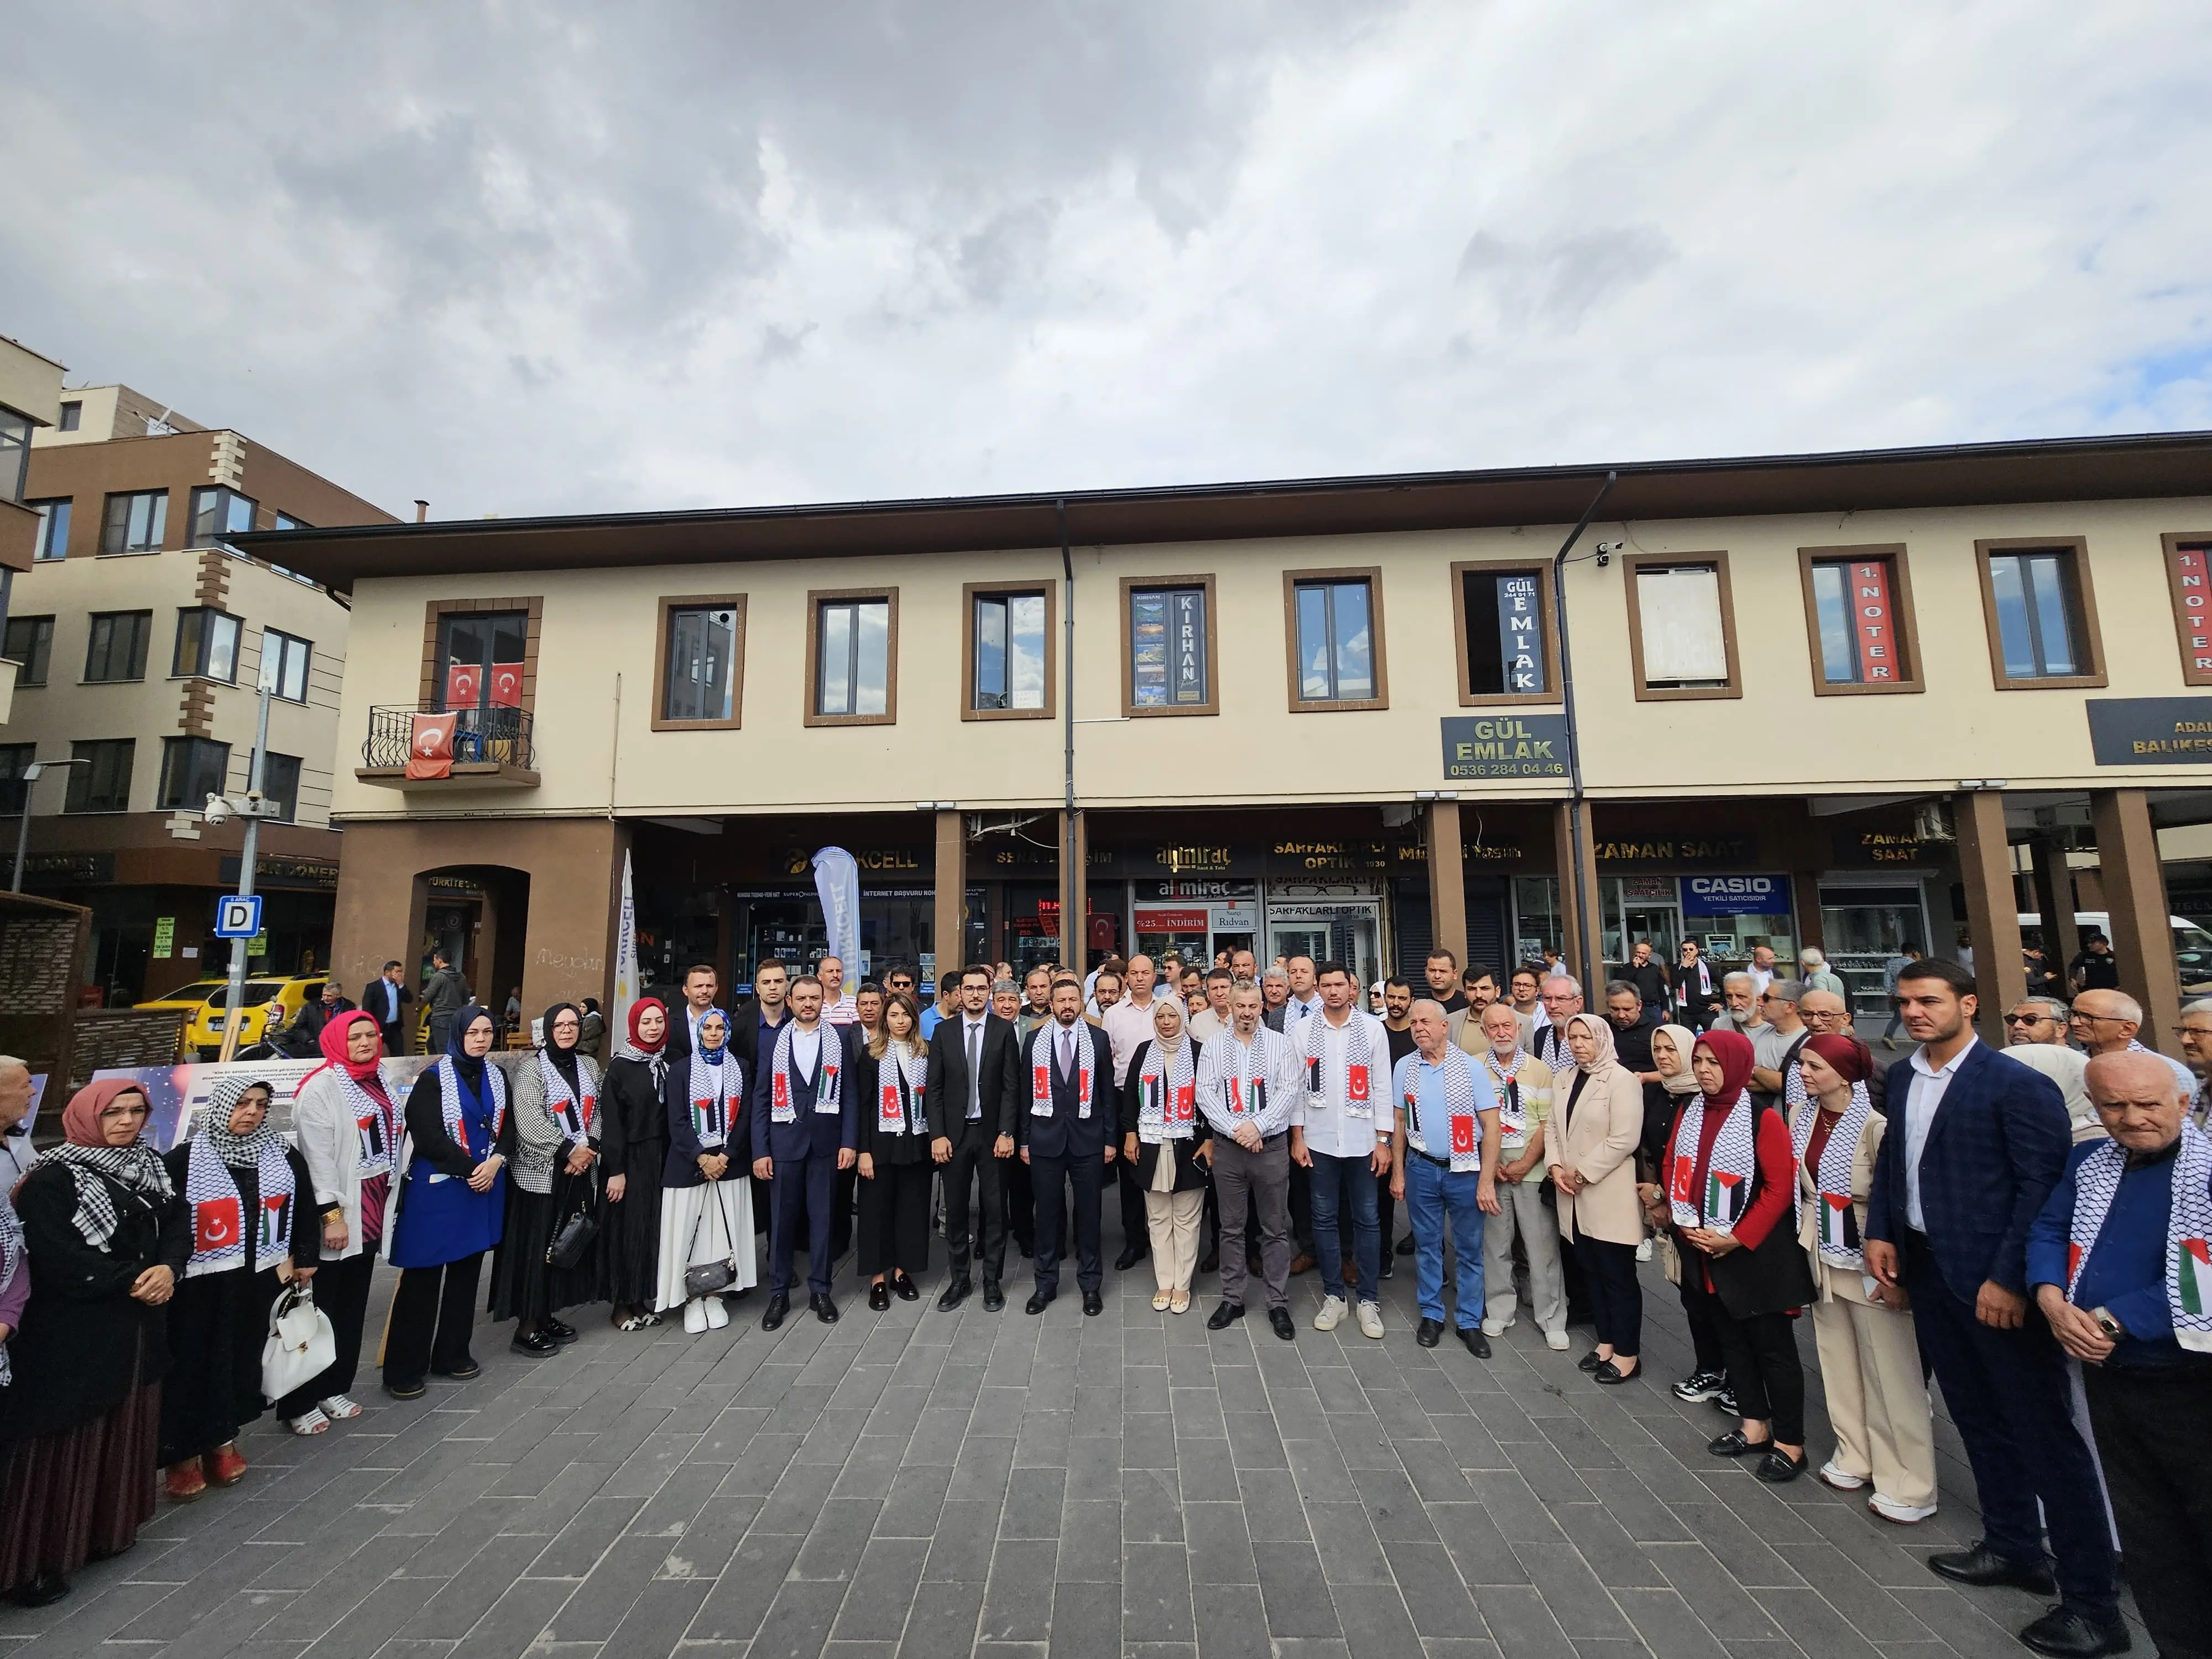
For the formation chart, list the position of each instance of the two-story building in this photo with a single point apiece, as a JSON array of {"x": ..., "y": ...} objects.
[{"x": 1855, "y": 701}]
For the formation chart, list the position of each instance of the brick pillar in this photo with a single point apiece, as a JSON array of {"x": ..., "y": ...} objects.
[
  {"x": 2135, "y": 893},
  {"x": 1992, "y": 907},
  {"x": 1447, "y": 880},
  {"x": 947, "y": 926}
]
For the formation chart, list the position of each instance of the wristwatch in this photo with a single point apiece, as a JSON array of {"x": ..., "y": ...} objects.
[{"x": 2111, "y": 1328}]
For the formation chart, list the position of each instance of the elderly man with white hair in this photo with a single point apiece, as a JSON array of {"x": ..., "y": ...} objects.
[
  {"x": 2105, "y": 1023},
  {"x": 2196, "y": 1034},
  {"x": 1562, "y": 997},
  {"x": 1813, "y": 963},
  {"x": 1446, "y": 1144}
]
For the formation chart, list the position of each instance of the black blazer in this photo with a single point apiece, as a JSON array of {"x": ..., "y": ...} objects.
[
  {"x": 372, "y": 1000},
  {"x": 1064, "y": 1134},
  {"x": 680, "y": 1164},
  {"x": 680, "y": 1034},
  {"x": 1003, "y": 1087},
  {"x": 1189, "y": 1172}
]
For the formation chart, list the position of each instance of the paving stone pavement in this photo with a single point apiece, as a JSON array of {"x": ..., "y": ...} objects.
[{"x": 917, "y": 1484}]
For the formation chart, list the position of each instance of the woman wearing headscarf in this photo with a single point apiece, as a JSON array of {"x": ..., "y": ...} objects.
[
  {"x": 252, "y": 1228},
  {"x": 594, "y": 1027},
  {"x": 452, "y": 1207},
  {"x": 83, "y": 1410},
  {"x": 1730, "y": 1181},
  {"x": 632, "y": 1147},
  {"x": 1599, "y": 1106},
  {"x": 556, "y": 1134},
  {"x": 1869, "y": 1360},
  {"x": 1170, "y": 1144},
  {"x": 348, "y": 1129},
  {"x": 892, "y": 1070},
  {"x": 707, "y": 1209},
  {"x": 1671, "y": 1049}
]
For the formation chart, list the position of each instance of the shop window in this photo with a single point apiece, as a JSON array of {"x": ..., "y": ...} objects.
[
  {"x": 1336, "y": 638},
  {"x": 116, "y": 648},
  {"x": 1536, "y": 924},
  {"x": 1009, "y": 652},
  {"x": 51, "y": 540},
  {"x": 1681, "y": 632},
  {"x": 1858, "y": 615},
  {"x": 30, "y": 643},
  {"x": 2041, "y": 616},
  {"x": 192, "y": 769},
  {"x": 852, "y": 657},
  {"x": 207, "y": 645},
  {"x": 481, "y": 660},
  {"x": 102, "y": 784},
  {"x": 288, "y": 658},
  {"x": 219, "y": 513},
  {"x": 1503, "y": 620},
  {"x": 1168, "y": 645},
  {"x": 136, "y": 522},
  {"x": 2189, "y": 575},
  {"x": 701, "y": 662},
  {"x": 280, "y": 784}
]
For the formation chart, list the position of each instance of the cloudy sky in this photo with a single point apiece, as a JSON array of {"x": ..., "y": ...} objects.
[{"x": 524, "y": 258}]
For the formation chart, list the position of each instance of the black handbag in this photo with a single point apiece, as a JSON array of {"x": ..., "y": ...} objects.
[
  {"x": 573, "y": 1239},
  {"x": 709, "y": 1278}
]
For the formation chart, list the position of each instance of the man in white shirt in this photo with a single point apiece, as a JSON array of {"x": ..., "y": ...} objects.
[
  {"x": 1340, "y": 1132},
  {"x": 1305, "y": 997},
  {"x": 1127, "y": 1024},
  {"x": 838, "y": 1007},
  {"x": 1762, "y": 968},
  {"x": 1248, "y": 1085},
  {"x": 1211, "y": 1021}
]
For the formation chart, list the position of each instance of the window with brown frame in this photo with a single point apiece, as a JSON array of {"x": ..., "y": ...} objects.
[
  {"x": 1335, "y": 623},
  {"x": 2041, "y": 613},
  {"x": 2189, "y": 575},
  {"x": 1858, "y": 620},
  {"x": 699, "y": 670},
  {"x": 1007, "y": 643},
  {"x": 852, "y": 657},
  {"x": 1502, "y": 616},
  {"x": 1682, "y": 627},
  {"x": 1170, "y": 653}
]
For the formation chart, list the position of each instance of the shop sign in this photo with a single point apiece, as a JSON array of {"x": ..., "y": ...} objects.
[
  {"x": 1290, "y": 857},
  {"x": 1736, "y": 896},
  {"x": 1158, "y": 918},
  {"x": 164, "y": 936},
  {"x": 1682, "y": 849},
  {"x": 280, "y": 872},
  {"x": 1647, "y": 890},
  {"x": 71, "y": 867},
  {"x": 1854, "y": 849},
  {"x": 880, "y": 861},
  {"x": 2150, "y": 731},
  {"x": 1505, "y": 850},
  {"x": 1506, "y": 746},
  {"x": 1199, "y": 890}
]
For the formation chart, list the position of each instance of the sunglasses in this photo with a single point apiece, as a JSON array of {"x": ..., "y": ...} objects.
[{"x": 2034, "y": 1019}]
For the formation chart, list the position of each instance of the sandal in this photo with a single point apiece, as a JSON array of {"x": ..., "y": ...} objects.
[
  {"x": 338, "y": 1408},
  {"x": 311, "y": 1421},
  {"x": 634, "y": 1323}
]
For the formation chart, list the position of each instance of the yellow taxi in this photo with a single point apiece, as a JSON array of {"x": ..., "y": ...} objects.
[{"x": 204, "y": 1031}]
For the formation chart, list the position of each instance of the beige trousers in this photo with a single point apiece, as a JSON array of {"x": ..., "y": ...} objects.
[
  {"x": 1172, "y": 1219},
  {"x": 1877, "y": 1400}
]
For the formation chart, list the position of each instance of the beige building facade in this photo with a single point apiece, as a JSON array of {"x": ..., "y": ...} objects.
[{"x": 1850, "y": 701}]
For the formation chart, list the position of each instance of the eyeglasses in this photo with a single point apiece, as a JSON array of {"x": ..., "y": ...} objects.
[{"x": 2118, "y": 1019}]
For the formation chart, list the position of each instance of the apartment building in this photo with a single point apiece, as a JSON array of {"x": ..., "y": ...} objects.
[
  {"x": 1853, "y": 701},
  {"x": 30, "y": 402},
  {"x": 138, "y": 634}
]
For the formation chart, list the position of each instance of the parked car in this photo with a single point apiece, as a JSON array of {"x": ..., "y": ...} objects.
[
  {"x": 2192, "y": 946},
  {"x": 204, "y": 1033}
]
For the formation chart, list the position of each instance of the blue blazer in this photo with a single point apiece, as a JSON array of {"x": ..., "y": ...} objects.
[
  {"x": 815, "y": 1134},
  {"x": 1997, "y": 1148},
  {"x": 680, "y": 1167},
  {"x": 1064, "y": 1134}
]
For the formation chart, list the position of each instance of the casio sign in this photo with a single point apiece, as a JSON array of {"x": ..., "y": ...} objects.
[{"x": 1732, "y": 886}]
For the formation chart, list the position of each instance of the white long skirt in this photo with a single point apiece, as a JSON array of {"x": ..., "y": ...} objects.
[{"x": 689, "y": 1234}]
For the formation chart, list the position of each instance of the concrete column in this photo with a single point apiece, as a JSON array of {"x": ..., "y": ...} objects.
[
  {"x": 1073, "y": 913},
  {"x": 2054, "y": 900},
  {"x": 2135, "y": 893},
  {"x": 1992, "y": 907},
  {"x": 1566, "y": 853},
  {"x": 947, "y": 924},
  {"x": 1805, "y": 888},
  {"x": 1447, "y": 880},
  {"x": 576, "y": 881}
]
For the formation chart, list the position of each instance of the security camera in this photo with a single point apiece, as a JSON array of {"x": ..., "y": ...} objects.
[
  {"x": 218, "y": 810},
  {"x": 1605, "y": 552}
]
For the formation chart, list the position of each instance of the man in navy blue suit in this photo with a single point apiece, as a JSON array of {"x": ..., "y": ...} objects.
[
  {"x": 807, "y": 1123},
  {"x": 1976, "y": 1143},
  {"x": 1066, "y": 1128}
]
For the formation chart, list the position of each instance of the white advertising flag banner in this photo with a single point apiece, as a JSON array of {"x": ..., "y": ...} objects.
[{"x": 838, "y": 883}]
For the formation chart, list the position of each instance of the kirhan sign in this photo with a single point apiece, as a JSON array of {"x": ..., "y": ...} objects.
[{"x": 1506, "y": 746}]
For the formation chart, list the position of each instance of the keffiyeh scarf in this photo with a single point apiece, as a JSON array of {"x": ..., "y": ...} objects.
[
  {"x": 1463, "y": 1132},
  {"x": 780, "y": 1108},
  {"x": 2188, "y": 1232},
  {"x": 137, "y": 1168},
  {"x": 451, "y": 1092},
  {"x": 1044, "y": 1055},
  {"x": 1342, "y": 1063},
  {"x": 571, "y": 1109},
  {"x": 1167, "y": 1094},
  {"x": 1512, "y": 1110},
  {"x": 901, "y": 1076},
  {"x": 1729, "y": 1171},
  {"x": 715, "y": 1088},
  {"x": 1836, "y": 1230}
]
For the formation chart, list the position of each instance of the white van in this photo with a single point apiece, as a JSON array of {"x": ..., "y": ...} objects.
[{"x": 2192, "y": 946}]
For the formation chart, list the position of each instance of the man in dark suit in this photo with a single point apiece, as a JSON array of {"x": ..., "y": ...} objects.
[
  {"x": 702, "y": 990},
  {"x": 1976, "y": 1143},
  {"x": 806, "y": 1127},
  {"x": 385, "y": 1001},
  {"x": 973, "y": 1091},
  {"x": 1066, "y": 1130},
  {"x": 753, "y": 1029}
]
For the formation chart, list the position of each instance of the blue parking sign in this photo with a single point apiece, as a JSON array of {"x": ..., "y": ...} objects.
[{"x": 238, "y": 916}]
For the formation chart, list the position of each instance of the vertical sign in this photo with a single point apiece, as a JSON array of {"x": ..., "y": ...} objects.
[
  {"x": 2189, "y": 573},
  {"x": 1520, "y": 637},
  {"x": 626, "y": 966},
  {"x": 1873, "y": 635},
  {"x": 1168, "y": 667}
]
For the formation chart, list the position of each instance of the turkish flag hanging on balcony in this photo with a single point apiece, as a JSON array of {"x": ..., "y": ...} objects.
[
  {"x": 506, "y": 685},
  {"x": 464, "y": 684},
  {"x": 430, "y": 745}
]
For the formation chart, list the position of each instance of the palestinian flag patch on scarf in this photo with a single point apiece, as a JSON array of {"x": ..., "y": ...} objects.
[
  {"x": 2189, "y": 1228},
  {"x": 715, "y": 1090},
  {"x": 1729, "y": 1171},
  {"x": 1836, "y": 1232},
  {"x": 1044, "y": 1056}
]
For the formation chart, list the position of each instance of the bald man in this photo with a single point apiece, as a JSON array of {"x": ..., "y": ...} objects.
[{"x": 2106, "y": 1022}]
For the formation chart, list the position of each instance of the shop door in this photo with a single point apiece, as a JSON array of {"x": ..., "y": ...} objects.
[
  {"x": 1862, "y": 928},
  {"x": 1349, "y": 930}
]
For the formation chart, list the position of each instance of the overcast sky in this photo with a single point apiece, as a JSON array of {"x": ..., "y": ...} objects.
[{"x": 657, "y": 256}]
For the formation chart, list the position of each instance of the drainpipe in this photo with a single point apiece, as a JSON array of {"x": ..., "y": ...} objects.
[
  {"x": 1073, "y": 913},
  {"x": 1586, "y": 934}
]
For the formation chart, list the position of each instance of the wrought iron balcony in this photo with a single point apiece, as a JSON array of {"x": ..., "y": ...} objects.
[{"x": 491, "y": 748}]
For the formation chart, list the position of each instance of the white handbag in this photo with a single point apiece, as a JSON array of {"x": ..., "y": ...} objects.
[{"x": 301, "y": 1345}]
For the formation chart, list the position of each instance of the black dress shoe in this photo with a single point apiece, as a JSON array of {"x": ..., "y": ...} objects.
[
  {"x": 1209, "y": 1262},
  {"x": 1477, "y": 1343},
  {"x": 955, "y": 1293},
  {"x": 1733, "y": 1444},
  {"x": 1588, "y": 1362},
  {"x": 905, "y": 1289},
  {"x": 1279, "y": 1321},
  {"x": 1093, "y": 1305},
  {"x": 994, "y": 1299},
  {"x": 560, "y": 1331},
  {"x": 1224, "y": 1316},
  {"x": 1129, "y": 1258},
  {"x": 2065, "y": 1634},
  {"x": 1613, "y": 1377},
  {"x": 1778, "y": 1469},
  {"x": 42, "y": 1591},
  {"x": 1982, "y": 1566},
  {"x": 1405, "y": 1246},
  {"x": 823, "y": 1309},
  {"x": 466, "y": 1371},
  {"x": 779, "y": 1304},
  {"x": 536, "y": 1345},
  {"x": 879, "y": 1296},
  {"x": 1038, "y": 1302},
  {"x": 405, "y": 1390},
  {"x": 1389, "y": 1266},
  {"x": 1428, "y": 1332}
]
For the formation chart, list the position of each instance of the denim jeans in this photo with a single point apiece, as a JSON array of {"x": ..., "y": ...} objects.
[
  {"x": 1350, "y": 1180},
  {"x": 1431, "y": 1193}
]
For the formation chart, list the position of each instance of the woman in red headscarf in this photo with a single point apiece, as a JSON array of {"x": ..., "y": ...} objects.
[
  {"x": 348, "y": 1128},
  {"x": 103, "y": 1230},
  {"x": 1729, "y": 1181},
  {"x": 633, "y": 1145}
]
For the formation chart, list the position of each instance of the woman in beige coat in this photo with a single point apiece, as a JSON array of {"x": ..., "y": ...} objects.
[
  {"x": 1870, "y": 1361},
  {"x": 1601, "y": 1104}
]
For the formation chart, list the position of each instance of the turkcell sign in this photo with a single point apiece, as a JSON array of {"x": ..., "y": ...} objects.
[
  {"x": 1506, "y": 746},
  {"x": 1736, "y": 896}
]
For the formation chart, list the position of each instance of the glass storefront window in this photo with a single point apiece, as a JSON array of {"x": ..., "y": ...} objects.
[
  {"x": 1730, "y": 915},
  {"x": 1638, "y": 907},
  {"x": 1864, "y": 928},
  {"x": 1535, "y": 917}
]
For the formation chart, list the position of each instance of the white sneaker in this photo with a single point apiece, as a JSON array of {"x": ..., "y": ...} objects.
[
  {"x": 1331, "y": 1314},
  {"x": 1840, "y": 1477},
  {"x": 718, "y": 1313},
  {"x": 1370, "y": 1320},
  {"x": 1556, "y": 1341},
  {"x": 1643, "y": 1250},
  {"x": 1495, "y": 1326},
  {"x": 338, "y": 1408},
  {"x": 1905, "y": 1514},
  {"x": 695, "y": 1316}
]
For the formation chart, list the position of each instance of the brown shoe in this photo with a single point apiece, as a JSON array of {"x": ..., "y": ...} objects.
[{"x": 1302, "y": 1264}]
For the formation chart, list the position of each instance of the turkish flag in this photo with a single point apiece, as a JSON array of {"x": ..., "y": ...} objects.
[
  {"x": 888, "y": 1113},
  {"x": 214, "y": 1224},
  {"x": 1355, "y": 1084},
  {"x": 464, "y": 685},
  {"x": 1463, "y": 1134},
  {"x": 1186, "y": 1103},
  {"x": 430, "y": 745},
  {"x": 506, "y": 685}
]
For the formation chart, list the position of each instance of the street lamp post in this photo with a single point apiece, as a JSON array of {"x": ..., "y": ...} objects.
[
  {"x": 252, "y": 809},
  {"x": 32, "y": 773}
]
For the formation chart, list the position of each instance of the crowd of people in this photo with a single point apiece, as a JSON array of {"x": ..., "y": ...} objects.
[{"x": 1979, "y": 1214}]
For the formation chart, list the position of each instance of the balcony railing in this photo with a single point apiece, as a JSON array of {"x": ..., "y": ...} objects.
[{"x": 482, "y": 737}]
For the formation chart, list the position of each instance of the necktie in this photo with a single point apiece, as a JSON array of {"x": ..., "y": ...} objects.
[
  {"x": 975, "y": 1072},
  {"x": 1066, "y": 1051}
]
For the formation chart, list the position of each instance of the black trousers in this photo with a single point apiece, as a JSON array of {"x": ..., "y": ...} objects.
[
  {"x": 974, "y": 1169},
  {"x": 1706, "y": 1317},
  {"x": 894, "y": 1219},
  {"x": 2009, "y": 1393},
  {"x": 1048, "y": 1179},
  {"x": 802, "y": 1188},
  {"x": 2156, "y": 1444},
  {"x": 1302, "y": 1231},
  {"x": 1136, "y": 1230},
  {"x": 1019, "y": 1205},
  {"x": 1616, "y": 1298},
  {"x": 342, "y": 1293},
  {"x": 1764, "y": 1371},
  {"x": 432, "y": 1311}
]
